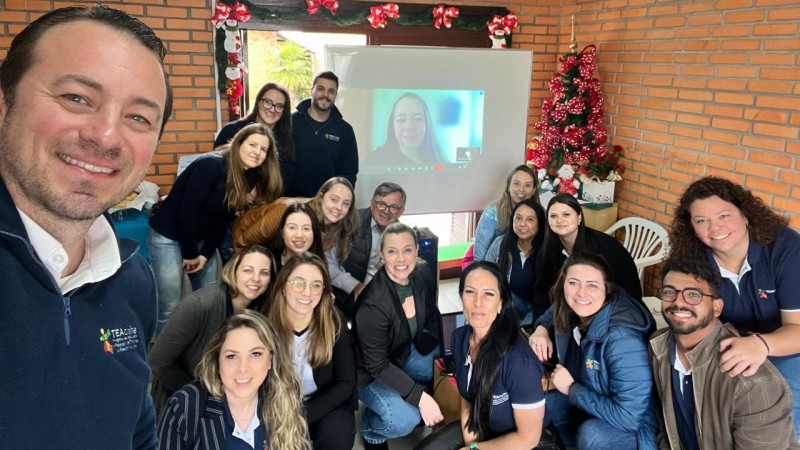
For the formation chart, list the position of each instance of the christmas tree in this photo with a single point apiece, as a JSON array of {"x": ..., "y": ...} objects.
[{"x": 571, "y": 123}]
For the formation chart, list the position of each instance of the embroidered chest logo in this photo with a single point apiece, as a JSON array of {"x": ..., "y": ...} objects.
[
  {"x": 761, "y": 293},
  {"x": 591, "y": 364},
  {"x": 331, "y": 137},
  {"x": 119, "y": 340},
  {"x": 499, "y": 399}
]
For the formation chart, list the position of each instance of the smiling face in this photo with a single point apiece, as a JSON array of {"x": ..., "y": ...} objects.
[
  {"x": 682, "y": 317},
  {"x": 409, "y": 124},
  {"x": 521, "y": 187},
  {"x": 387, "y": 217},
  {"x": 584, "y": 290},
  {"x": 720, "y": 225},
  {"x": 270, "y": 116},
  {"x": 253, "y": 150},
  {"x": 525, "y": 223},
  {"x": 244, "y": 362},
  {"x": 481, "y": 299},
  {"x": 563, "y": 220},
  {"x": 84, "y": 123},
  {"x": 298, "y": 236},
  {"x": 323, "y": 94},
  {"x": 252, "y": 275},
  {"x": 336, "y": 203},
  {"x": 301, "y": 304},
  {"x": 399, "y": 254}
]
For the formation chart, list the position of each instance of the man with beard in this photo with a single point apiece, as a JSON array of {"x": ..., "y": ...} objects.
[
  {"x": 324, "y": 142},
  {"x": 701, "y": 406},
  {"x": 84, "y": 101}
]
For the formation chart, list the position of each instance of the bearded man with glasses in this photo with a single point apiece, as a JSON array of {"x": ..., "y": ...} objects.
[{"x": 701, "y": 406}]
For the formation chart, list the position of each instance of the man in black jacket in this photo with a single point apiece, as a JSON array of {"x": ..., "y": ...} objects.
[
  {"x": 325, "y": 144},
  {"x": 387, "y": 205}
]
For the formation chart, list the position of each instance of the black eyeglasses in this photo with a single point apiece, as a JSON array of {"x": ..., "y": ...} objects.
[
  {"x": 299, "y": 285},
  {"x": 691, "y": 296},
  {"x": 268, "y": 103},
  {"x": 383, "y": 206}
]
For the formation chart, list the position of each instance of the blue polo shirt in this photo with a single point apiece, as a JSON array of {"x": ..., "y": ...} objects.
[
  {"x": 770, "y": 286},
  {"x": 518, "y": 384}
]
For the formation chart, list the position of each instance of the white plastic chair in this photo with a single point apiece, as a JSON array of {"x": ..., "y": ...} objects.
[{"x": 646, "y": 241}]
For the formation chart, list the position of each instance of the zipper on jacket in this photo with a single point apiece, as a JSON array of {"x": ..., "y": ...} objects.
[
  {"x": 67, "y": 313},
  {"x": 35, "y": 256}
]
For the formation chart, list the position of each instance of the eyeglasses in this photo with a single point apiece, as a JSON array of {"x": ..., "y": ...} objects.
[
  {"x": 268, "y": 103},
  {"x": 383, "y": 206},
  {"x": 691, "y": 296},
  {"x": 298, "y": 285}
]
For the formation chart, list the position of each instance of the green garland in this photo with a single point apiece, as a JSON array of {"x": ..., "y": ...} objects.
[{"x": 344, "y": 19}]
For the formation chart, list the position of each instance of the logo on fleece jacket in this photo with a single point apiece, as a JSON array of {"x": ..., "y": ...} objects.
[{"x": 118, "y": 340}]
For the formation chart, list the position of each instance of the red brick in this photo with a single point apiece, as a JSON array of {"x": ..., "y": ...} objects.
[
  {"x": 741, "y": 44},
  {"x": 759, "y": 184},
  {"x": 726, "y": 151},
  {"x": 732, "y": 31},
  {"x": 776, "y": 130},
  {"x": 765, "y": 115},
  {"x": 719, "y": 163},
  {"x": 764, "y": 143},
  {"x": 719, "y": 136},
  {"x": 775, "y": 29},
  {"x": 758, "y": 170},
  {"x": 747, "y": 16},
  {"x": 694, "y": 119},
  {"x": 772, "y": 87},
  {"x": 772, "y": 73},
  {"x": 738, "y": 99},
  {"x": 770, "y": 158},
  {"x": 731, "y": 125}
]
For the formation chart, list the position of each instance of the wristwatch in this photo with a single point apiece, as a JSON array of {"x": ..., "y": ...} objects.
[{"x": 474, "y": 446}]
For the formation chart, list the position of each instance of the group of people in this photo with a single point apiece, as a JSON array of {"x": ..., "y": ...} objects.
[{"x": 265, "y": 357}]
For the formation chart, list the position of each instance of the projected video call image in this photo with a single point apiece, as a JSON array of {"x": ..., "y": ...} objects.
[{"x": 422, "y": 128}]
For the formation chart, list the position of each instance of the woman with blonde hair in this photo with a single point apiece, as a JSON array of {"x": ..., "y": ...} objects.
[
  {"x": 247, "y": 394},
  {"x": 312, "y": 331},
  {"x": 188, "y": 226},
  {"x": 177, "y": 351}
]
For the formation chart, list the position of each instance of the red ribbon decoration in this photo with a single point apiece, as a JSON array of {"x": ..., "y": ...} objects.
[
  {"x": 502, "y": 25},
  {"x": 240, "y": 12},
  {"x": 379, "y": 14},
  {"x": 221, "y": 14},
  {"x": 443, "y": 15},
  {"x": 314, "y": 5}
]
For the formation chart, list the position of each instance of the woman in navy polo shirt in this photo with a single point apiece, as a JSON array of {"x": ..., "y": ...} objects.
[
  {"x": 758, "y": 256},
  {"x": 502, "y": 401}
]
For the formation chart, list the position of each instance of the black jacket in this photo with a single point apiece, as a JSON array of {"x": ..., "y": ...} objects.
[
  {"x": 323, "y": 150},
  {"x": 383, "y": 338},
  {"x": 357, "y": 260},
  {"x": 195, "y": 208},
  {"x": 336, "y": 381}
]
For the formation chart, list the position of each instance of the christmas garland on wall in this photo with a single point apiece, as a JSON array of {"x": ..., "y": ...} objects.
[{"x": 498, "y": 23}]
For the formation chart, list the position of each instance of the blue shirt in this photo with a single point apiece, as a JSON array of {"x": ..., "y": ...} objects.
[
  {"x": 771, "y": 286},
  {"x": 517, "y": 385}
]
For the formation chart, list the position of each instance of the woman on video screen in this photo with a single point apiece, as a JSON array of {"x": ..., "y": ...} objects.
[{"x": 410, "y": 137}]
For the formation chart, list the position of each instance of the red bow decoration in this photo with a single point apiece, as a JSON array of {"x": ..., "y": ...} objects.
[
  {"x": 240, "y": 12},
  {"x": 502, "y": 25},
  {"x": 379, "y": 14},
  {"x": 443, "y": 15},
  {"x": 221, "y": 14},
  {"x": 330, "y": 5}
]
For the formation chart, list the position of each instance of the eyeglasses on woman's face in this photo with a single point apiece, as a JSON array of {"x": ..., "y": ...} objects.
[
  {"x": 299, "y": 285},
  {"x": 267, "y": 103},
  {"x": 691, "y": 296}
]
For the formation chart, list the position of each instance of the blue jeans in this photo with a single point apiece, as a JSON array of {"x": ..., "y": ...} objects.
[
  {"x": 789, "y": 367},
  {"x": 578, "y": 429},
  {"x": 166, "y": 260},
  {"x": 524, "y": 310},
  {"x": 386, "y": 415}
]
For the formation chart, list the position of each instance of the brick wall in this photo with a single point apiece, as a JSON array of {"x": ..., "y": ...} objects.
[{"x": 690, "y": 87}]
